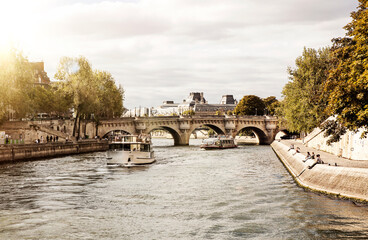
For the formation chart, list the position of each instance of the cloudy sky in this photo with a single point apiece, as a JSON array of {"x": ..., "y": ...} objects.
[{"x": 163, "y": 49}]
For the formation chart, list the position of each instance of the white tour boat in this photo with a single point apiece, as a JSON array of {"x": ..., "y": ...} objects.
[
  {"x": 130, "y": 151},
  {"x": 218, "y": 143}
]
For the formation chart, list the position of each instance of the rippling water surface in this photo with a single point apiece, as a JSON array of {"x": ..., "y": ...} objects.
[{"x": 242, "y": 193}]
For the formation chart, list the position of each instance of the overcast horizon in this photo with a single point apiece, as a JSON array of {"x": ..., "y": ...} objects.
[{"x": 164, "y": 49}]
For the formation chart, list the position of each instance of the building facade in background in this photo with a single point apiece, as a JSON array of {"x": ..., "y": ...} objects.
[
  {"x": 195, "y": 101},
  {"x": 41, "y": 77}
]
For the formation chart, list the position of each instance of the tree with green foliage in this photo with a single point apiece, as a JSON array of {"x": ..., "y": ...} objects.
[
  {"x": 16, "y": 82},
  {"x": 211, "y": 132},
  {"x": 43, "y": 99},
  {"x": 229, "y": 113},
  {"x": 219, "y": 113},
  {"x": 110, "y": 96},
  {"x": 189, "y": 112},
  {"x": 62, "y": 101},
  {"x": 271, "y": 104},
  {"x": 347, "y": 86},
  {"x": 77, "y": 80},
  {"x": 93, "y": 92},
  {"x": 303, "y": 106},
  {"x": 250, "y": 105},
  {"x": 246, "y": 132}
]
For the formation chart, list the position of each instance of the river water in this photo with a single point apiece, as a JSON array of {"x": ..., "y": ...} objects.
[{"x": 242, "y": 193}]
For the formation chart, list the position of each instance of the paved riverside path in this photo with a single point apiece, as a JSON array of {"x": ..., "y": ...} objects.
[{"x": 327, "y": 158}]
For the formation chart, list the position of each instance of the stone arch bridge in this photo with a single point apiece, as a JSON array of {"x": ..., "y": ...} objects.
[{"x": 265, "y": 127}]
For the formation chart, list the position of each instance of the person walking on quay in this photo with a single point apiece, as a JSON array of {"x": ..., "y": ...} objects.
[
  {"x": 47, "y": 138},
  {"x": 50, "y": 138}
]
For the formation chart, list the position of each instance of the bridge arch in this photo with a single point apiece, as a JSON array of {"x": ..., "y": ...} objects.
[
  {"x": 261, "y": 135},
  {"x": 174, "y": 133},
  {"x": 115, "y": 132},
  {"x": 215, "y": 128}
]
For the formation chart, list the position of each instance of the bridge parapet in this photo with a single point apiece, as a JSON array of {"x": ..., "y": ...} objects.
[
  {"x": 140, "y": 125},
  {"x": 271, "y": 124},
  {"x": 184, "y": 123},
  {"x": 230, "y": 124}
]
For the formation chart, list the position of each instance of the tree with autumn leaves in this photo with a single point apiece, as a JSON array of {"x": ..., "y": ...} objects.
[
  {"x": 347, "y": 85},
  {"x": 331, "y": 82}
]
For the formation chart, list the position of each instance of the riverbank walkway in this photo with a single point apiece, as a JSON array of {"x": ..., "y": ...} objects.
[{"x": 327, "y": 158}]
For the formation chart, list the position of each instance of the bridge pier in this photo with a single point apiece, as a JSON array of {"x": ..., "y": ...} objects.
[{"x": 183, "y": 139}]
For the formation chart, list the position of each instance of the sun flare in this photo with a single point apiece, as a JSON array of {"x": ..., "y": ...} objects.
[{"x": 17, "y": 21}]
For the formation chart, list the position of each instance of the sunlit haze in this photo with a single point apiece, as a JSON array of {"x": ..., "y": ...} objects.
[{"x": 163, "y": 49}]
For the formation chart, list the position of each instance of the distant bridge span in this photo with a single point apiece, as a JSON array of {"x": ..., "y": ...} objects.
[{"x": 265, "y": 127}]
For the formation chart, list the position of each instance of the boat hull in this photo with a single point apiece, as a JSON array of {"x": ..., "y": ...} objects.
[
  {"x": 130, "y": 158},
  {"x": 218, "y": 143},
  {"x": 216, "y": 147}
]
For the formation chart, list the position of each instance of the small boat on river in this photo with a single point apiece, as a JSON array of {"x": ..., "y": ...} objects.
[
  {"x": 218, "y": 143},
  {"x": 131, "y": 151}
]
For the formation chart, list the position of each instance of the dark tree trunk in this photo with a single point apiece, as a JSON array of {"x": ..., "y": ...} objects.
[
  {"x": 97, "y": 129},
  {"x": 75, "y": 124},
  {"x": 79, "y": 125},
  {"x": 85, "y": 127}
]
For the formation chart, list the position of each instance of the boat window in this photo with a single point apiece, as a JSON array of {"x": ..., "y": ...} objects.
[
  {"x": 126, "y": 147},
  {"x": 128, "y": 138},
  {"x": 145, "y": 147},
  {"x": 134, "y": 147}
]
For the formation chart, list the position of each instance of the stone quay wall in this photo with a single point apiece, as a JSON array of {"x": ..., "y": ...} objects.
[
  {"x": 351, "y": 145},
  {"x": 25, "y": 152},
  {"x": 342, "y": 182}
]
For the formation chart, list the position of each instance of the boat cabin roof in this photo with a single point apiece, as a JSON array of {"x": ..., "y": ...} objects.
[{"x": 133, "y": 139}]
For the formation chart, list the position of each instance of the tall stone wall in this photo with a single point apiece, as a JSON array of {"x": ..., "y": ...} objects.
[{"x": 351, "y": 146}]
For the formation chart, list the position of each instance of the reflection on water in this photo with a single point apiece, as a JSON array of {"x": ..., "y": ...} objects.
[{"x": 187, "y": 194}]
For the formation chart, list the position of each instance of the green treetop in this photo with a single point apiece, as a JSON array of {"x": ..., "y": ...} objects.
[
  {"x": 303, "y": 107},
  {"x": 271, "y": 104},
  {"x": 93, "y": 92},
  {"x": 250, "y": 105},
  {"x": 347, "y": 88},
  {"x": 16, "y": 82}
]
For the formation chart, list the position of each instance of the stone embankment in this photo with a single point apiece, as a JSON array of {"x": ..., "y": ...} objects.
[
  {"x": 25, "y": 152},
  {"x": 340, "y": 177}
]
